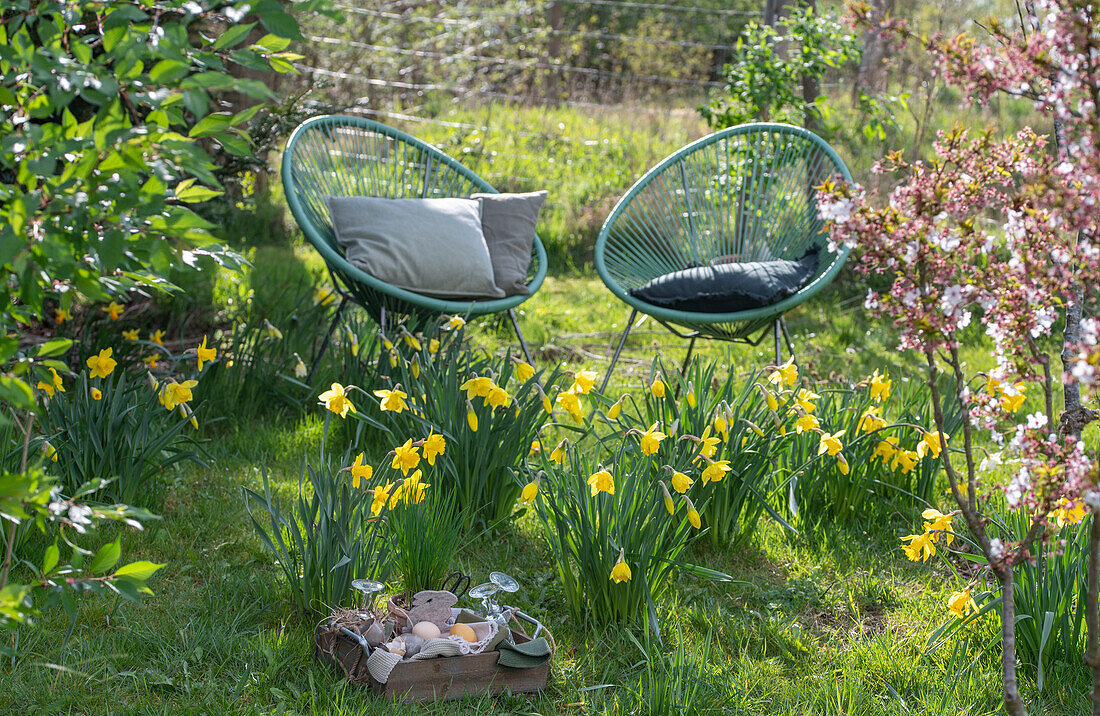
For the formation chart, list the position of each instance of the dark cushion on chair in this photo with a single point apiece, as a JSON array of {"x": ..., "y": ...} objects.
[{"x": 729, "y": 287}]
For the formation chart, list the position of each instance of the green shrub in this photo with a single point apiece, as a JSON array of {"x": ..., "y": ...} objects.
[
  {"x": 707, "y": 403},
  {"x": 615, "y": 532},
  {"x": 443, "y": 392},
  {"x": 325, "y": 538},
  {"x": 116, "y": 431}
]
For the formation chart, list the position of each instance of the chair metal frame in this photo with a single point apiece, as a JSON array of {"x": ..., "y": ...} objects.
[
  {"x": 340, "y": 155},
  {"x": 685, "y": 212}
]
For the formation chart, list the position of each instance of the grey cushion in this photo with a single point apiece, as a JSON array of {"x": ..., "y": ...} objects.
[
  {"x": 431, "y": 246},
  {"x": 508, "y": 221},
  {"x": 730, "y": 287}
]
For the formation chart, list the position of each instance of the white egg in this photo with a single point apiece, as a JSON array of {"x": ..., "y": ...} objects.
[{"x": 425, "y": 630}]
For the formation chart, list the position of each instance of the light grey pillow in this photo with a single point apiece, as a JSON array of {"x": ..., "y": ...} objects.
[
  {"x": 508, "y": 221},
  {"x": 432, "y": 246}
]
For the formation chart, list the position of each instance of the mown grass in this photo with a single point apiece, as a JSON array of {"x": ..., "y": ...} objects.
[{"x": 832, "y": 622}]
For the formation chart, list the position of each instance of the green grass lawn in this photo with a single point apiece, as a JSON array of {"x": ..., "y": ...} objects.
[{"x": 830, "y": 622}]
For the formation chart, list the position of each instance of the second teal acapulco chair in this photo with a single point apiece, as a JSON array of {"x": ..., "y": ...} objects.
[
  {"x": 743, "y": 194},
  {"x": 353, "y": 156}
]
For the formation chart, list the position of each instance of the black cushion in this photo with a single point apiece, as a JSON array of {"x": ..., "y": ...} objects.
[{"x": 729, "y": 287}]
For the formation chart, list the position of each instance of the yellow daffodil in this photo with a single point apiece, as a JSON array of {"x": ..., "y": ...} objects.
[
  {"x": 657, "y": 387},
  {"x": 174, "y": 394},
  {"x": 410, "y": 340},
  {"x": 871, "y": 421},
  {"x": 583, "y": 382},
  {"x": 455, "y": 323},
  {"x": 693, "y": 514},
  {"x": 477, "y": 387},
  {"x": 601, "y": 481},
  {"x": 205, "y": 354},
  {"x": 392, "y": 400},
  {"x": 300, "y": 370},
  {"x": 114, "y": 310},
  {"x": 708, "y": 444},
  {"x": 886, "y": 449},
  {"x": 920, "y": 547},
  {"x": 524, "y": 371},
  {"x": 930, "y": 444},
  {"x": 433, "y": 346},
  {"x": 381, "y": 497},
  {"x": 842, "y": 464},
  {"x": 51, "y": 451},
  {"x": 353, "y": 342},
  {"x": 962, "y": 604},
  {"x": 830, "y": 443},
  {"x": 939, "y": 525},
  {"x": 616, "y": 409},
  {"x": 785, "y": 374},
  {"x": 412, "y": 489},
  {"x": 571, "y": 403},
  {"x": 471, "y": 417},
  {"x": 547, "y": 404},
  {"x": 102, "y": 364},
  {"x": 651, "y": 439},
  {"x": 805, "y": 400},
  {"x": 360, "y": 472},
  {"x": 904, "y": 460},
  {"x": 1012, "y": 397},
  {"x": 131, "y": 335},
  {"x": 667, "y": 497},
  {"x": 157, "y": 337},
  {"x": 323, "y": 296},
  {"x": 770, "y": 399},
  {"x": 880, "y": 386},
  {"x": 559, "y": 453},
  {"x": 721, "y": 426},
  {"x": 1067, "y": 514},
  {"x": 536, "y": 447},
  {"x": 690, "y": 397},
  {"x": 151, "y": 361},
  {"x": 272, "y": 330},
  {"x": 97, "y": 394},
  {"x": 434, "y": 446},
  {"x": 497, "y": 398},
  {"x": 621, "y": 571},
  {"x": 715, "y": 471},
  {"x": 53, "y": 386},
  {"x": 336, "y": 400},
  {"x": 60, "y": 315},
  {"x": 405, "y": 458},
  {"x": 805, "y": 422},
  {"x": 527, "y": 496},
  {"x": 681, "y": 482},
  {"x": 414, "y": 366}
]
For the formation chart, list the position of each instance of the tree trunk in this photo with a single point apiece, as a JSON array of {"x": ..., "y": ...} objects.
[
  {"x": 811, "y": 118},
  {"x": 871, "y": 75},
  {"x": 1014, "y": 705},
  {"x": 1092, "y": 612}
]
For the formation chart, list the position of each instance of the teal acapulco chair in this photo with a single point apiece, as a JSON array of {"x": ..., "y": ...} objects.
[
  {"x": 744, "y": 194},
  {"x": 352, "y": 156}
]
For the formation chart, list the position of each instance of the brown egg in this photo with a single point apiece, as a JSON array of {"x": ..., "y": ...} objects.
[{"x": 464, "y": 631}]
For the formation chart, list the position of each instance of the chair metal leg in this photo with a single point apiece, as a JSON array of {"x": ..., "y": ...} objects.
[
  {"x": 778, "y": 354},
  {"x": 687, "y": 358},
  {"x": 684, "y": 367},
  {"x": 519, "y": 335},
  {"x": 325, "y": 342},
  {"x": 615, "y": 358},
  {"x": 787, "y": 338},
  {"x": 382, "y": 321}
]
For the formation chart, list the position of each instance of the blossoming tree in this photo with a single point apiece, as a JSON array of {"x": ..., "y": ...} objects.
[{"x": 1001, "y": 231}]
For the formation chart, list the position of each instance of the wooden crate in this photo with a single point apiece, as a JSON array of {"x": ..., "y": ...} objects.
[{"x": 440, "y": 679}]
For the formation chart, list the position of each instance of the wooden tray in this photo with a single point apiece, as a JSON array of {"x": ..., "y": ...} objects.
[{"x": 441, "y": 679}]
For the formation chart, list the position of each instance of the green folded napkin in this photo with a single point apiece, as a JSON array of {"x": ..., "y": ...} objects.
[{"x": 527, "y": 655}]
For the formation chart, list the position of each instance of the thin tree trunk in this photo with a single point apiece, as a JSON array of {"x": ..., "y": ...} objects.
[
  {"x": 810, "y": 91},
  {"x": 1092, "y": 612},
  {"x": 1014, "y": 705}
]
